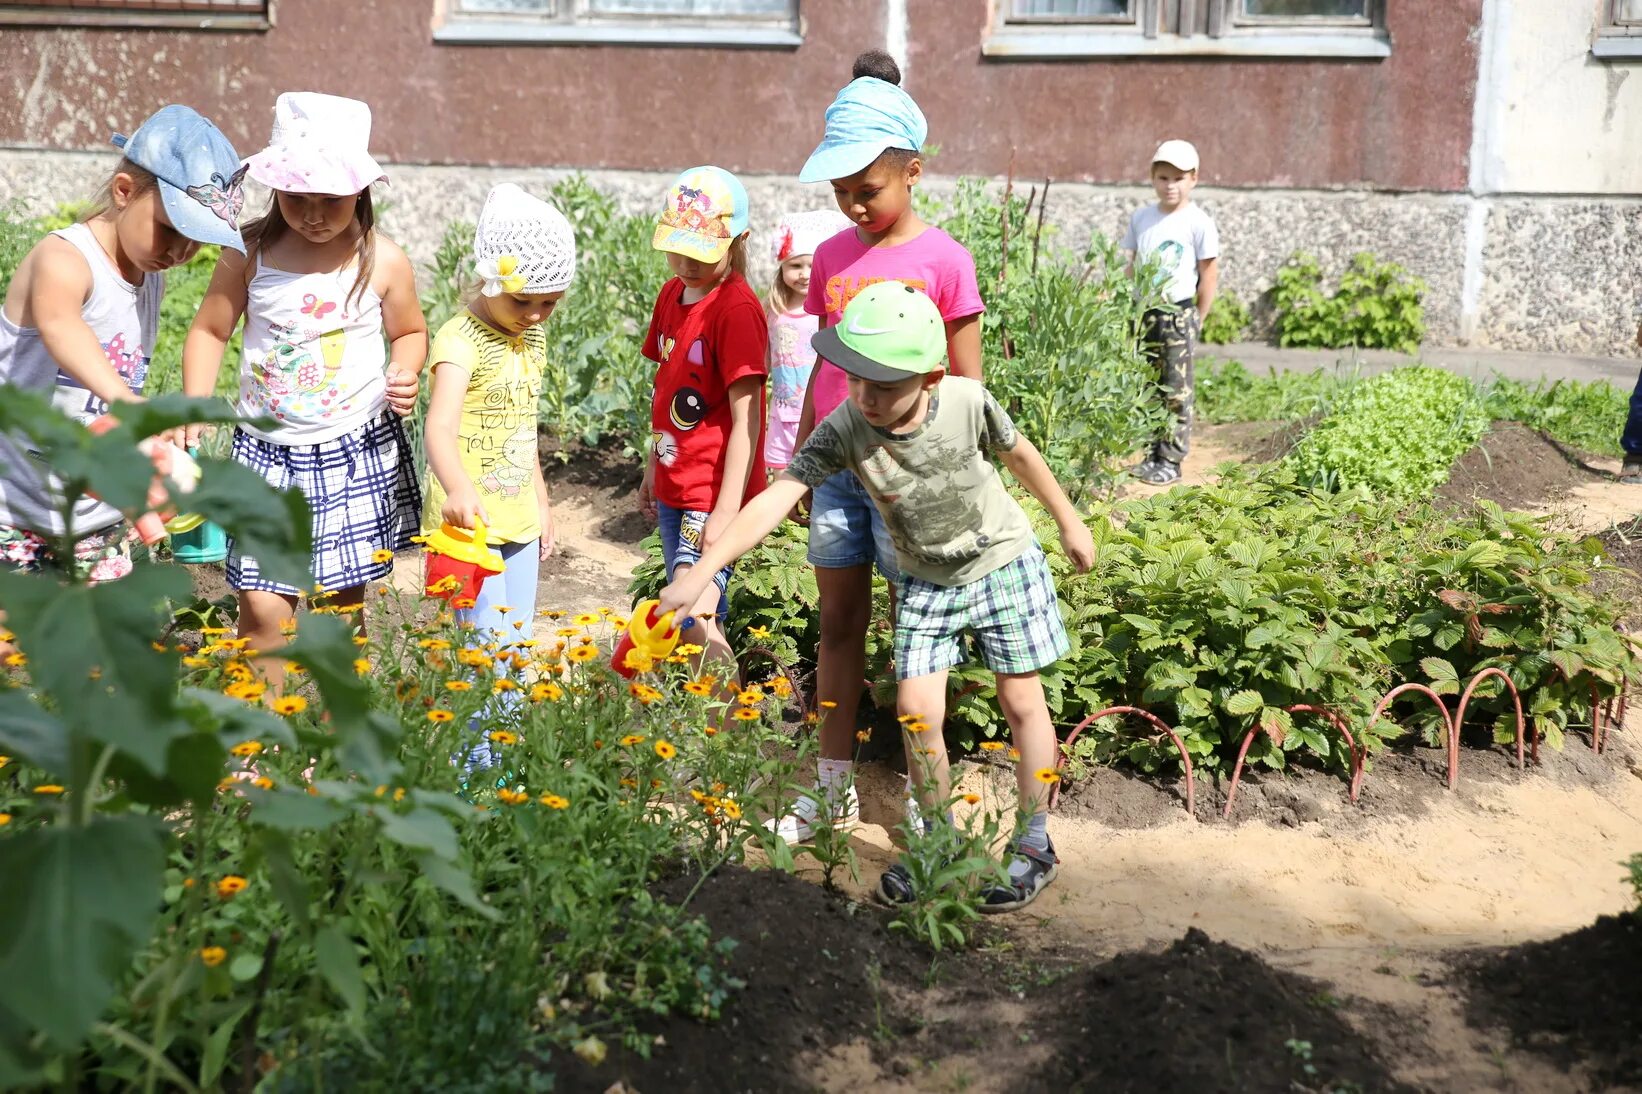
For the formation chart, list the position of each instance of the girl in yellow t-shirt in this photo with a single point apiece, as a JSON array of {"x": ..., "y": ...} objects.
[{"x": 487, "y": 378}]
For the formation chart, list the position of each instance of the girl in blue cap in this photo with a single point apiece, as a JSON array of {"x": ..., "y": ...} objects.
[
  {"x": 870, "y": 155},
  {"x": 81, "y": 316}
]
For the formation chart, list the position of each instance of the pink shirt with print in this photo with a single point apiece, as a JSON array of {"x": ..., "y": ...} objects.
[{"x": 843, "y": 266}]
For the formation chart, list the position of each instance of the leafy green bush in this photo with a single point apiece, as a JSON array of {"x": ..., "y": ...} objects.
[
  {"x": 1228, "y": 321},
  {"x": 1587, "y": 416},
  {"x": 1398, "y": 433},
  {"x": 1635, "y": 878},
  {"x": 1376, "y": 306},
  {"x": 1229, "y": 392}
]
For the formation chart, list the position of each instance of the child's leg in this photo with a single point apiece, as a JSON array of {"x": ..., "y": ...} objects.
[
  {"x": 923, "y": 699},
  {"x": 1021, "y": 697},
  {"x": 1177, "y": 332},
  {"x": 502, "y": 599},
  {"x": 265, "y": 618}
]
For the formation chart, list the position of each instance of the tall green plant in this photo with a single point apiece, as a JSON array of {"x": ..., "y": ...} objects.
[{"x": 1377, "y": 305}]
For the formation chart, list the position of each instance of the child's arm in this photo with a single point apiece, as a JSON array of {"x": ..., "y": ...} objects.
[
  {"x": 404, "y": 324},
  {"x": 738, "y": 456},
  {"x": 59, "y": 285},
  {"x": 1208, "y": 283},
  {"x": 1026, "y": 464},
  {"x": 545, "y": 513},
  {"x": 213, "y": 325},
  {"x": 450, "y": 387},
  {"x": 742, "y": 534},
  {"x": 963, "y": 346}
]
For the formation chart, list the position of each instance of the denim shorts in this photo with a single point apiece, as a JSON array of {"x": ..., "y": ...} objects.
[
  {"x": 681, "y": 546},
  {"x": 846, "y": 528}
]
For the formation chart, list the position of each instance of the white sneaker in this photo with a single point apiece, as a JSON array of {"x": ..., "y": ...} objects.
[
  {"x": 915, "y": 816},
  {"x": 800, "y": 823}
]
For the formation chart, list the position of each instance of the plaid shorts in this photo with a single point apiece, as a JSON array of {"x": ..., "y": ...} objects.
[
  {"x": 361, "y": 488},
  {"x": 1012, "y": 613},
  {"x": 104, "y": 555}
]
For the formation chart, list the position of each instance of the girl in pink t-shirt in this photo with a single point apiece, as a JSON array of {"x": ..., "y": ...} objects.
[{"x": 791, "y": 326}]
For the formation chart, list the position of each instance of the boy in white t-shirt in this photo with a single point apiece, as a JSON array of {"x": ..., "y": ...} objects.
[{"x": 1187, "y": 246}]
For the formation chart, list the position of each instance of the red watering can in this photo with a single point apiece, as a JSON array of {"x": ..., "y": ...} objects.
[
  {"x": 459, "y": 561},
  {"x": 653, "y": 638}
]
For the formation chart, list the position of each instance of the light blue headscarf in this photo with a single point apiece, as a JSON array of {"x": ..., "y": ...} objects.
[{"x": 868, "y": 116}]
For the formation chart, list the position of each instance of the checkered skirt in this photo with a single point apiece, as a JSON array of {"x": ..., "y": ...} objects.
[{"x": 361, "y": 488}]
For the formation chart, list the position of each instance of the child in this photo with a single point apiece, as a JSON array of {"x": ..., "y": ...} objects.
[
  {"x": 80, "y": 320},
  {"x": 1187, "y": 247},
  {"x": 870, "y": 155},
  {"x": 320, "y": 288},
  {"x": 487, "y": 379},
  {"x": 792, "y": 359},
  {"x": 968, "y": 558},
  {"x": 708, "y": 337}
]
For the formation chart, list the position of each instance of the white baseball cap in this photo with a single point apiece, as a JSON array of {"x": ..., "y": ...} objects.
[{"x": 1181, "y": 154}]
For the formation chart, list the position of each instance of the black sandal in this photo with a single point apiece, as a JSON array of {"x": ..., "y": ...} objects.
[
  {"x": 895, "y": 886},
  {"x": 1017, "y": 892}
]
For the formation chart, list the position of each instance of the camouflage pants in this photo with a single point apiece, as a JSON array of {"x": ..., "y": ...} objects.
[{"x": 1169, "y": 338}]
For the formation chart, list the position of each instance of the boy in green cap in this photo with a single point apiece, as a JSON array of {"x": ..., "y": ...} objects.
[{"x": 969, "y": 561}]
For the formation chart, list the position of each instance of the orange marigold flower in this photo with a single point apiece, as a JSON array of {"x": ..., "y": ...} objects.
[
  {"x": 698, "y": 687},
  {"x": 512, "y": 797},
  {"x": 863, "y": 735},
  {"x": 263, "y": 782},
  {"x": 972, "y": 798},
  {"x": 246, "y": 748},
  {"x": 745, "y": 714},
  {"x": 289, "y": 704},
  {"x": 361, "y": 666},
  {"x": 230, "y": 886},
  {"x": 711, "y": 731},
  {"x": 212, "y": 956},
  {"x": 750, "y": 697},
  {"x": 504, "y": 736},
  {"x": 458, "y": 685},
  {"x": 993, "y": 746},
  {"x": 48, "y": 788},
  {"x": 503, "y": 685},
  {"x": 553, "y": 801},
  {"x": 1046, "y": 775},
  {"x": 582, "y": 654},
  {"x": 632, "y": 739},
  {"x": 665, "y": 750},
  {"x": 439, "y": 716},
  {"x": 550, "y": 692}
]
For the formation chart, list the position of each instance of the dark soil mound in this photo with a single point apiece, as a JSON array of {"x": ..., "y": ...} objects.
[
  {"x": 1202, "y": 1015},
  {"x": 1517, "y": 468},
  {"x": 1575, "y": 999}
]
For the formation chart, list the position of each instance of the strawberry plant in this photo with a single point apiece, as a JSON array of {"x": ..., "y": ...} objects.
[{"x": 1377, "y": 305}]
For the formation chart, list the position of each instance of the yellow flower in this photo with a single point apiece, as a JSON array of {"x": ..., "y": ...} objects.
[
  {"x": 399, "y": 794},
  {"x": 212, "y": 956},
  {"x": 230, "y": 886},
  {"x": 917, "y": 727},
  {"x": 711, "y": 731},
  {"x": 972, "y": 798},
  {"x": 247, "y": 748},
  {"x": 17, "y": 660},
  {"x": 551, "y": 692},
  {"x": 294, "y": 669},
  {"x": 780, "y": 687},
  {"x": 263, "y": 782},
  {"x": 644, "y": 693},
  {"x": 632, "y": 739},
  {"x": 585, "y": 619},
  {"x": 687, "y": 649},
  {"x": 434, "y": 644},
  {"x": 827, "y": 704},
  {"x": 553, "y": 801},
  {"x": 665, "y": 750},
  {"x": 248, "y": 690},
  {"x": 290, "y": 704},
  {"x": 993, "y": 746},
  {"x": 5, "y": 819},
  {"x": 197, "y": 662},
  {"x": 504, "y": 737},
  {"x": 462, "y": 603},
  {"x": 503, "y": 609},
  {"x": 863, "y": 735},
  {"x": 439, "y": 716},
  {"x": 209, "y": 631},
  {"x": 905, "y": 718},
  {"x": 1013, "y": 753},
  {"x": 48, "y": 788},
  {"x": 287, "y": 627},
  {"x": 731, "y": 809},
  {"x": 361, "y": 666},
  {"x": 758, "y": 632},
  {"x": 503, "y": 685},
  {"x": 477, "y": 659},
  {"x": 4, "y": 760},
  {"x": 925, "y": 751},
  {"x": 750, "y": 697},
  {"x": 1046, "y": 775},
  {"x": 512, "y": 797},
  {"x": 582, "y": 654},
  {"x": 445, "y": 585},
  {"x": 361, "y": 640},
  {"x": 567, "y": 632},
  {"x": 235, "y": 644},
  {"x": 458, "y": 685},
  {"x": 745, "y": 714},
  {"x": 381, "y": 554}
]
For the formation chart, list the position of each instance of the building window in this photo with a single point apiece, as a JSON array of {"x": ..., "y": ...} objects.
[
  {"x": 727, "y": 23},
  {"x": 1226, "y": 28},
  {"x": 1619, "y": 34},
  {"x": 186, "y": 14}
]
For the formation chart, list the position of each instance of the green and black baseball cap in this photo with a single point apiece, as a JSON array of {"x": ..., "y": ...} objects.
[{"x": 890, "y": 332}]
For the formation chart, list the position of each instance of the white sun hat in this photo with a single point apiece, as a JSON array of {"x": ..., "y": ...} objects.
[
  {"x": 320, "y": 145},
  {"x": 802, "y": 233},
  {"x": 523, "y": 244}
]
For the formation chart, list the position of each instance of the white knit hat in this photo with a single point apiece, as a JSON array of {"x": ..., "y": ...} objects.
[
  {"x": 523, "y": 244},
  {"x": 802, "y": 233}
]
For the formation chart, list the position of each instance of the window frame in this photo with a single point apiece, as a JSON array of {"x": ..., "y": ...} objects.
[
  {"x": 111, "y": 14},
  {"x": 1190, "y": 28},
  {"x": 573, "y": 22},
  {"x": 1010, "y": 19},
  {"x": 1617, "y": 38}
]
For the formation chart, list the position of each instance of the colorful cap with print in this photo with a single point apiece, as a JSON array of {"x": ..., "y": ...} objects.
[
  {"x": 801, "y": 233},
  {"x": 198, "y": 170},
  {"x": 523, "y": 244},
  {"x": 1181, "y": 154},
  {"x": 868, "y": 116},
  {"x": 706, "y": 209},
  {"x": 889, "y": 332},
  {"x": 320, "y": 145}
]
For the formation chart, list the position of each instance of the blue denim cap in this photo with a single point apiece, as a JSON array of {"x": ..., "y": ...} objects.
[
  {"x": 868, "y": 116},
  {"x": 198, "y": 170}
]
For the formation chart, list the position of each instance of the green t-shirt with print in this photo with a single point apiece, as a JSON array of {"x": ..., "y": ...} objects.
[{"x": 947, "y": 510}]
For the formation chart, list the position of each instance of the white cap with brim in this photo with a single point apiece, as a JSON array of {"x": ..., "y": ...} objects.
[{"x": 1181, "y": 154}]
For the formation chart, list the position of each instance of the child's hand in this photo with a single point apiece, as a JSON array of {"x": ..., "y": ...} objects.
[
  {"x": 463, "y": 508},
  {"x": 647, "y": 497},
  {"x": 549, "y": 533},
  {"x": 403, "y": 387},
  {"x": 1079, "y": 545},
  {"x": 679, "y": 598}
]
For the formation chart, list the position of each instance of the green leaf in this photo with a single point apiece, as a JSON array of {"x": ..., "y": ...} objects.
[
  {"x": 293, "y": 810},
  {"x": 365, "y": 739},
  {"x": 1437, "y": 668},
  {"x": 1243, "y": 702},
  {"x": 78, "y": 904},
  {"x": 272, "y": 526},
  {"x": 455, "y": 881},
  {"x": 245, "y": 966},
  {"x": 339, "y": 965},
  {"x": 29, "y": 732},
  {"x": 419, "y": 830},
  {"x": 217, "y": 1045}
]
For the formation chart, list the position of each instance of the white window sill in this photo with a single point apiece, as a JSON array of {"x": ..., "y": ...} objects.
[
  {"x": 1617, "y": 47},
  {"x": 1017, "y": 44},
  {"x": 501, "y": 32}
]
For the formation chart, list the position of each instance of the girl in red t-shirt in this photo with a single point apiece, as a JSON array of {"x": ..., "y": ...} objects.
[{"x": 709, "y": 340}]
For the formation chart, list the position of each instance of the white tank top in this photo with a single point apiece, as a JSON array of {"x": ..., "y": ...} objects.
[
  {"x": 315, "y": 361},
  {"x": 125, "y": 319}
]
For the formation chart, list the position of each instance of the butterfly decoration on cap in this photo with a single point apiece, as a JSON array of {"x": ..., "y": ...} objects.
[{"x": 224, "y": 197}]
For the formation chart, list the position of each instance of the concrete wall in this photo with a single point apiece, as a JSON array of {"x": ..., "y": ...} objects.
[
  {"x": 1559, "y": 121},
  {"x": 1278, "y": 123}
]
